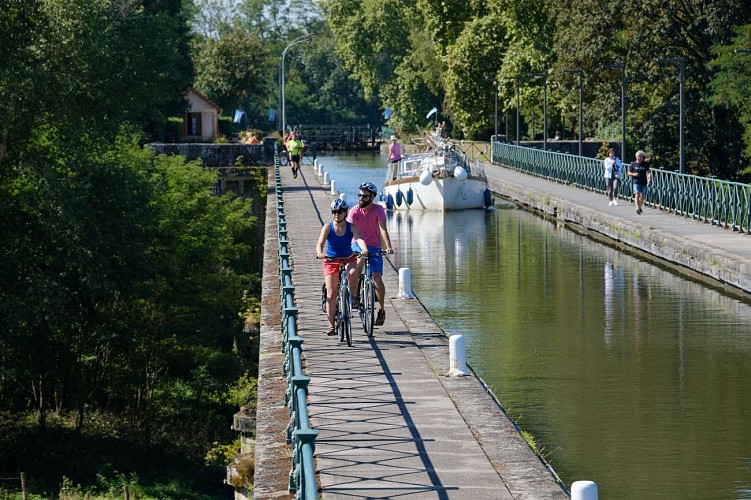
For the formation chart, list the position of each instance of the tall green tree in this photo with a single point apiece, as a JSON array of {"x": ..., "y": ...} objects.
[
  {"x": 730, "y": 84},
  {"x": 231, "y": 70},
  {"x": 472, "y": 63},
  {"x": 372, "y": 37}
]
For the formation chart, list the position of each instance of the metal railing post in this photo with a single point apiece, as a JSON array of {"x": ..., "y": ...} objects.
[{"x": 302, "y": 479}]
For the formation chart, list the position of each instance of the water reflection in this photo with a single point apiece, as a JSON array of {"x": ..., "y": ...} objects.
[{"x": 629, "y": 375}]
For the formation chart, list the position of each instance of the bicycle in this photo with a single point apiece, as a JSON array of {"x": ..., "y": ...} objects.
[
  {"x": 367, "y": 296},
  {"x": 343, "y": 313},
  {"x": 283, "y": 157}
]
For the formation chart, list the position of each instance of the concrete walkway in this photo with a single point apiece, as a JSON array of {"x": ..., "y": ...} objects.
[{"x": 390, "y": 423}]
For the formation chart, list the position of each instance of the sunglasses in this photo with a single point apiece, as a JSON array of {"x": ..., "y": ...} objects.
[
  {"x": 364, "y": 195},
  {"x": 340, "y": 211}
]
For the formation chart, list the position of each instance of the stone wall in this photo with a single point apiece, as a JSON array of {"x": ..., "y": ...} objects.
[{"x": 222, "y": 155}]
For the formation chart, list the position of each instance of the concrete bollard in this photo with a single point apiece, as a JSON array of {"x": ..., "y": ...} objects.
[
  {"x": 343, "y": 196},
  {"x": 457, "y": 357},
  {"x": 405, "y": 283},
  {"x": 583, "y": 490},
  {"x": 333, "y": 186},
  {"x": 325, "y": 178},
  {"x": 315, "y": 164},
  {"x": 320, "y": 169}
]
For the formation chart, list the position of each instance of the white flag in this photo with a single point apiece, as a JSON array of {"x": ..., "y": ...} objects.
[{"x": 432, "y": 111}]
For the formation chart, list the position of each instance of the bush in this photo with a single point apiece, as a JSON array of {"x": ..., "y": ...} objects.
[
  {"x": 173, "y": 130},
  {"x": 226, "y": 126}
]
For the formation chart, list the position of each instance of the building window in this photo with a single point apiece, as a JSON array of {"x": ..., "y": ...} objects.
[{"x": 194, "y": 124}]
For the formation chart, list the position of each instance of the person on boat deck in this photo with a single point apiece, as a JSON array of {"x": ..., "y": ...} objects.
[
  {"x": 395, "y": 150},
  {"x": 370, "y": 219},
  {"x": 338, "y": 236}
]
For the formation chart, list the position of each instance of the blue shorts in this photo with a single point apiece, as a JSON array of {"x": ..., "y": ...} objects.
[
  {"x": 641, "y": 189},
  {"x": 376, "y": 261}
]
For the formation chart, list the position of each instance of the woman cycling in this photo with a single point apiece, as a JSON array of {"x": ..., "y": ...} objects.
[{"x": 337, "y": 235}]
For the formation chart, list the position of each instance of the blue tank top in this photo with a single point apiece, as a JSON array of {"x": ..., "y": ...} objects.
[{"x": 339, "y": 246}]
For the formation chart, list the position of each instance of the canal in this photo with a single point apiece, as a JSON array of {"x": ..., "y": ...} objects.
[{"x": 625, "y": 373}]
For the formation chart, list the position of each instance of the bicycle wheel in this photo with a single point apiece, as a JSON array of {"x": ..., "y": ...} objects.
[
  {"x": 369, "y": 306},
  {"x": 361, "y": 297},
  {"x": 347, "y": 316},
  {"x": 338, "y": 323}
]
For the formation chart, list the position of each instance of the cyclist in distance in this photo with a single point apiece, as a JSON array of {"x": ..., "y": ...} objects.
[
  {"x": 295, "y": 147},
  {"x": 338, "y": 236},
  {"x": 370, "y": 219}
]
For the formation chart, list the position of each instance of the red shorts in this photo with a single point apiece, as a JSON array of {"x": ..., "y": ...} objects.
[{"x": 332, "y": 266}]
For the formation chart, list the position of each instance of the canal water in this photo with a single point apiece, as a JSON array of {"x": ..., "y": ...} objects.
[{"x": 625, "y": 373}]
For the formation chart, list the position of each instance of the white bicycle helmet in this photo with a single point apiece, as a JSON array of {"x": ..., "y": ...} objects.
[{"x": 338, "y": 204}]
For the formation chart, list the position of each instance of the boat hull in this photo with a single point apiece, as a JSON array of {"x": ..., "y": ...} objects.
[{"x": 448, "y": 193}]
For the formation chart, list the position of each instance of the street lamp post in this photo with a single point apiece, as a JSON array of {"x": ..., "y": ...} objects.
[
  {"x": 680, "y": 62},
  {"x": 301, "y": 39},
  {"x": 544, "y": 77},
  {"x": 579, "y": 72},
  {"x": 518, "y": 121},
  {"x": 623, "y": 106},
  {"x": 495, "y": 84}
]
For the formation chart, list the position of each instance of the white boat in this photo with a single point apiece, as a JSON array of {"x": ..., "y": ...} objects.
[{"x": 439, "y": 179}]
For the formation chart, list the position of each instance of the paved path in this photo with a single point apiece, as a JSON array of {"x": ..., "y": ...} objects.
[{"x": 390, "y": 423}]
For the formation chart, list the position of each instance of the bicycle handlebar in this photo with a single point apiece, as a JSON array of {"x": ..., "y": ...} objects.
[
  {"x": 335, "y": 259},
  {"x": 375, "y": 254}
]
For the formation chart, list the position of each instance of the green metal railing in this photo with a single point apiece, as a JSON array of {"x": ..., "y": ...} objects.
[
  {"x": 302, "y": 479},
  {"x": 723, "y": 203}
]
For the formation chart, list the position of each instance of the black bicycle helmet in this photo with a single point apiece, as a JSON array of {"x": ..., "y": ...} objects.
[
  {"x": 338, "y": 204},
  {"x": 369, "y": 186}
]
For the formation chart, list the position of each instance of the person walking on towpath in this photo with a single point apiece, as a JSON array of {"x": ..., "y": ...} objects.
[
  {"x": 370, "y": 219},
  {"x": 338, "y": 236},
  {"x": 641, "y": 176},
  {"x": 612, "y": 175}
]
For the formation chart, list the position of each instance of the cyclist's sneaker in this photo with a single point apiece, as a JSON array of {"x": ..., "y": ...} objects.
[
  {"x": 355, "y": 303},
  {"x": 330, "y": 332},
  {"x": 381, "y": 318}
]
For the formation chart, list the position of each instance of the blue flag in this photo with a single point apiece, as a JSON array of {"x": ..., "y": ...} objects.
[
  {"x": 434, "y": 110},
  {"x": 239, "y": 115},
  {"x": 387, "y": 113},
  {"x": 272, "y": 114}
]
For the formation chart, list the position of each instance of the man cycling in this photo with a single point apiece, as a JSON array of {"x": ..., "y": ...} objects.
[
  {"x": 294, "y": 148},
  {"x": 370, "y": 219}
]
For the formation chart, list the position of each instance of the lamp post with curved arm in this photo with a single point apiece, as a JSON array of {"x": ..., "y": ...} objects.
[
  {"x": 518, "y": 120},
  {"x": 680, "y": 62},
  {"x": 544, "y": 77},
  {"x": 579, "y": 72},
  {"x": 622, "y": 67},
  {"x": 301, "y": 39},
  {"x": 495, "y": 84}
]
